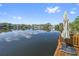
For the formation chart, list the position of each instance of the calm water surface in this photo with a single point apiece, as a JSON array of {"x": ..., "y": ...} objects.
[{"x": 28, "y": 43}]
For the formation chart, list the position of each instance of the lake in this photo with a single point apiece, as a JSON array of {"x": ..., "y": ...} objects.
[{"x": 28, "y": 43}]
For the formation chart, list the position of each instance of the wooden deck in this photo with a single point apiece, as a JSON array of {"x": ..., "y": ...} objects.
[{"x": 60, "y": 53}]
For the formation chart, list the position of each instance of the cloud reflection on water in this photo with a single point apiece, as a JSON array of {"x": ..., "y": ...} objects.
[{"x": 16, "y": 34}]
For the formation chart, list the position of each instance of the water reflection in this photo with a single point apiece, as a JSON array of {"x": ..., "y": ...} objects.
[{"x": 28, "y": 43}]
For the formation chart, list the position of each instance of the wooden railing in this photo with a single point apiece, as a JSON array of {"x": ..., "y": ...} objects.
[{"x": 76, "y": 40}]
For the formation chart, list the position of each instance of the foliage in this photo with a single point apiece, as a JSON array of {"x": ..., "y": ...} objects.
[
  {"x": 4, "y": 27},
  {"x": 74, "y": 26}
]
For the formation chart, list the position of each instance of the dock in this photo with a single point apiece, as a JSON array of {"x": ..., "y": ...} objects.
[{"x": 74, "y": 41}]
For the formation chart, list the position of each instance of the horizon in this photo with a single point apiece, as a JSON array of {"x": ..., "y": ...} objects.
[{"x": 37, "y": 13}]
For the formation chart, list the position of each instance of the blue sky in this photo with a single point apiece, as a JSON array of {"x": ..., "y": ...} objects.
[{"x": 37, "y": 13}]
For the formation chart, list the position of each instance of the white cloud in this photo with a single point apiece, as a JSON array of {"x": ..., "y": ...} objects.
[
  {"x": 52, "y": 10},
  {"x": 72, "y": 12},
  {"x": 19, "y": 17},
  {"x": 0, "y": 5},
  {"x": 14, "y": 17}
]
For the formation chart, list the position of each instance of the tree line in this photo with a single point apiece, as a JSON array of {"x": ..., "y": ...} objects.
[
  {"x": 5, "y": 27},
  {"x": 73, "y": 26}
]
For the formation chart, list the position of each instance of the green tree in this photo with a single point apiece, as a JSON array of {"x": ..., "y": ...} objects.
[{"x": 57, "y": 27}]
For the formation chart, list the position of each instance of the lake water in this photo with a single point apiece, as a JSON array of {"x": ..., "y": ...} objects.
[{"x": 28, "y": 43}]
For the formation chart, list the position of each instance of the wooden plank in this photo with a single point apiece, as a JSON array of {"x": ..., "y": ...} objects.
[{"x": 75, "y": 42}]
